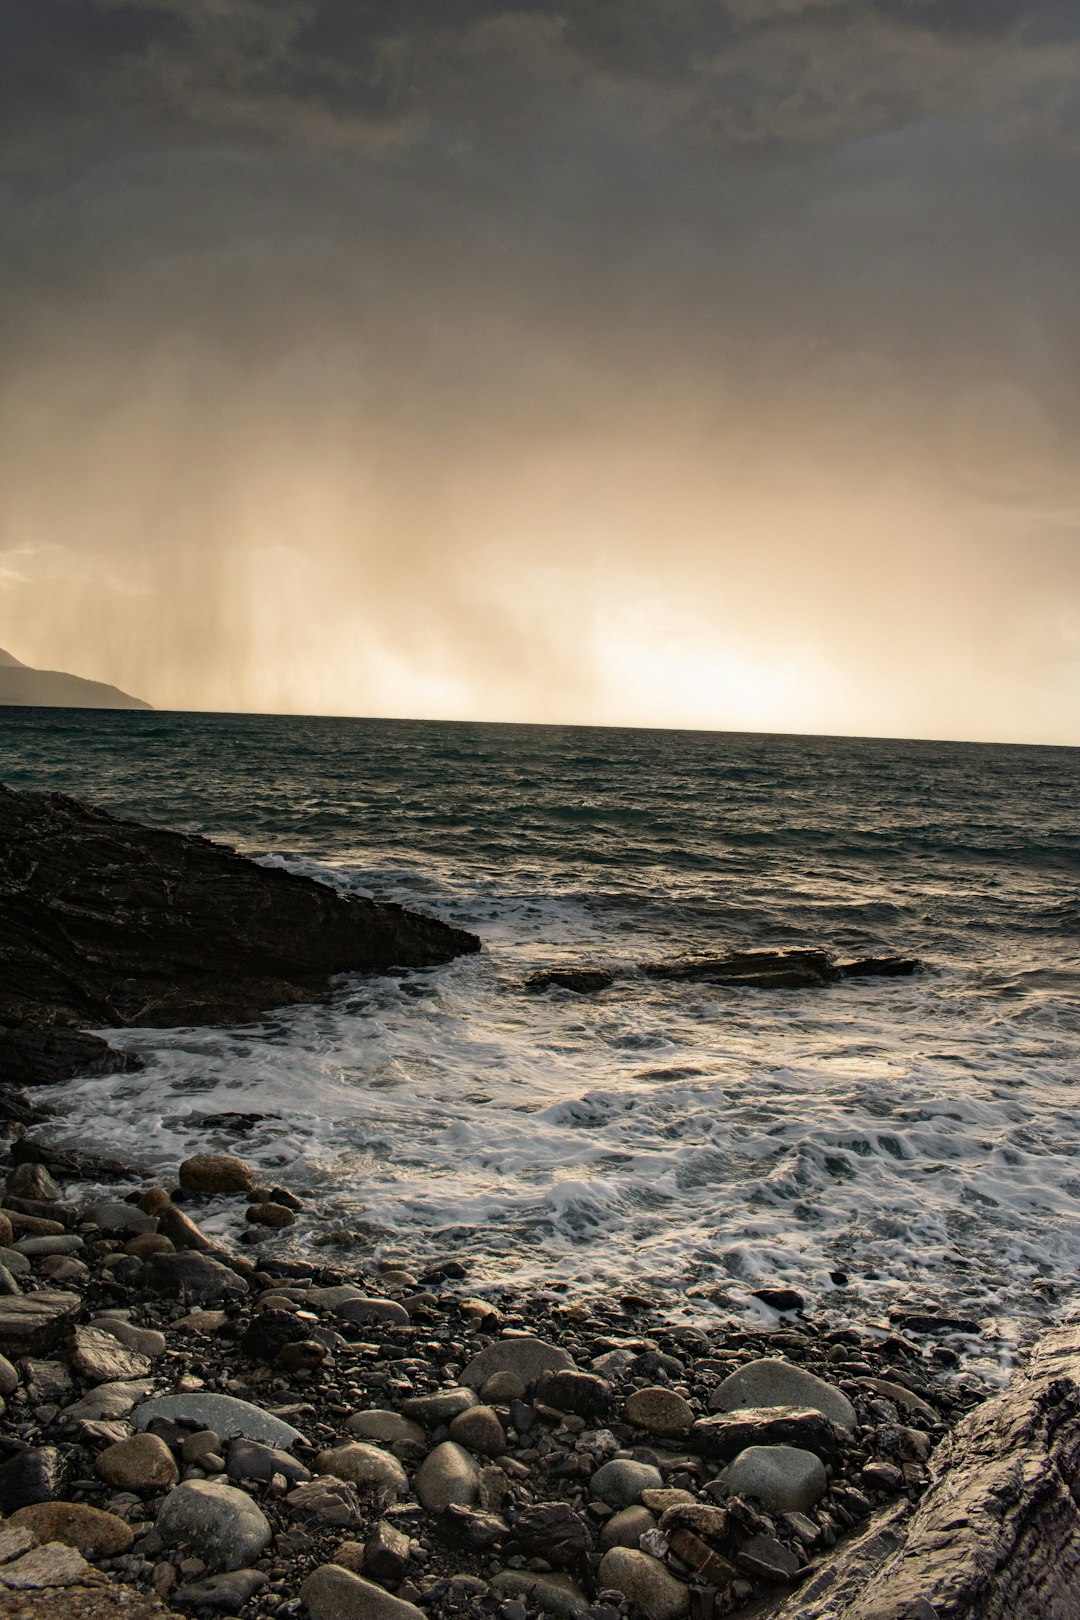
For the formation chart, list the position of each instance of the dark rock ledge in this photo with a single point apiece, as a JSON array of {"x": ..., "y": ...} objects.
[{"x": 105, "y": 922}]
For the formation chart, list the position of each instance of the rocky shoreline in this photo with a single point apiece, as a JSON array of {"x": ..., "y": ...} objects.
[{"x": 198, "y": 1431}]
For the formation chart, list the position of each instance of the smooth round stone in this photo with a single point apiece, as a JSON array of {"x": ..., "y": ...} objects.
[
  {"x": 626, "y": 1528},
  {"x": 36, "y": 1247},
  {"x": 660, "y": 1412},
  {"x": 364, "y": 1466},
  {"x": 388, "y": 1427},
  {"x": 620, "y": 1482},
  {"x": 15, "y": 1262},
  {"x": 440, "y": 1407},
  {"x": 213, "y": 1173},
  {"x": 773, "y": 1382},
  {"x": 143, "y": 1463},
  {"x": 224, "y": 1414},
  {"x": 9, "y": 1377},
  {"x": 361, "y": 1311},
  {"x": 502, "y": 1388},
  {"x": 480, "y": 1430},
  {"x": 269, "y": 1214},
  {"x": 525, "y": 1357},
  {"x": 785, "y": 1478},
  {"x": 644, "y": 1580},
  {"x": 447, "y": 1475},
  {"x": 221, "y": 1524},
  {"x": 76, "y": 1524}
]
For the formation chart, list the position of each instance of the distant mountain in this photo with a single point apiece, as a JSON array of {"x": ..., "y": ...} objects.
[{"x": 50, "y": 688}]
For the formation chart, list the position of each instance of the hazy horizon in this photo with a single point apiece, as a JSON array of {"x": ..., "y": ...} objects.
[{"x": 708, "y": 366}]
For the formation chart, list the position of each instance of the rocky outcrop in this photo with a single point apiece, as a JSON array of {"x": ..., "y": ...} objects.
[
  {"x": 757, "y": 970},
  {"x": 23, "y": 687},
  {"x": 108, "y": 922},
  {"x": 997, "y": 1534}
]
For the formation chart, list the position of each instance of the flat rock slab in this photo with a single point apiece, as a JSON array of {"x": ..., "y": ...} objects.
[
  {"x": 54, "y": 1564},
  {"x": 31, "y": 1323},
  {"x": 227, "y": 1416},
  {"x": 108, "y": 1401},
  {"x": 727, "y": 1433},
  {"x": 101, "y": 1359}
]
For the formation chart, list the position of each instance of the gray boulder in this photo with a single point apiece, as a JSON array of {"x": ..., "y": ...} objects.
[
  {"x": 221, "y": 1525},
  {"x": 784, "y": 1478},
  {"x": 773, "y": 1382}
]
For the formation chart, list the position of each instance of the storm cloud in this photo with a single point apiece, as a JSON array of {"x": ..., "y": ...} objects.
[{"x": 683, "y": 363}]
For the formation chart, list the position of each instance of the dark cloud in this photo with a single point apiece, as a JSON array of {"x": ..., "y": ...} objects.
[
  {"x": 444, "y": 339},
  {"x": 744, "y": 74}
]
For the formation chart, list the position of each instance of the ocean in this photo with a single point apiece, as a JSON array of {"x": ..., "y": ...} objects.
[{"x": 878, "y": 1145}]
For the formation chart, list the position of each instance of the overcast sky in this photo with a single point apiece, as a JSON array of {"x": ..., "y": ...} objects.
[{"x": 668, "y": 362}]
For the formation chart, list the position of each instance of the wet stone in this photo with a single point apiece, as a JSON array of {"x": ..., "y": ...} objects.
[
  {"x": 216, "y": 1173},
  {"x": 573, "y": 1391},
  {"x": 728, "y": 1433},
  {"x": 32, "y": 1323},
  {"x": 194, "y": 1278},
  {"x": 363, "y": 1311},
  {"x": 620, "y": 1483}
]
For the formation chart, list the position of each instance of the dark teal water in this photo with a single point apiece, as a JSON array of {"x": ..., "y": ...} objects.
[{"x": 921, "y": 1133}]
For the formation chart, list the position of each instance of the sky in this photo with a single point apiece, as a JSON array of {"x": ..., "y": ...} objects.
[{"x": 643, "y": 362}]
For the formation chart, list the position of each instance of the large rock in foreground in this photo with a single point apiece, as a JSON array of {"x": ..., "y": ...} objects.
[
  {"x": 997, "y": 1535},
  {"x": 107, "y": 922}
]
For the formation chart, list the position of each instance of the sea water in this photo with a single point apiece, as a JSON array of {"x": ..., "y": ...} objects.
[{"x": 878, "y": 1145}]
